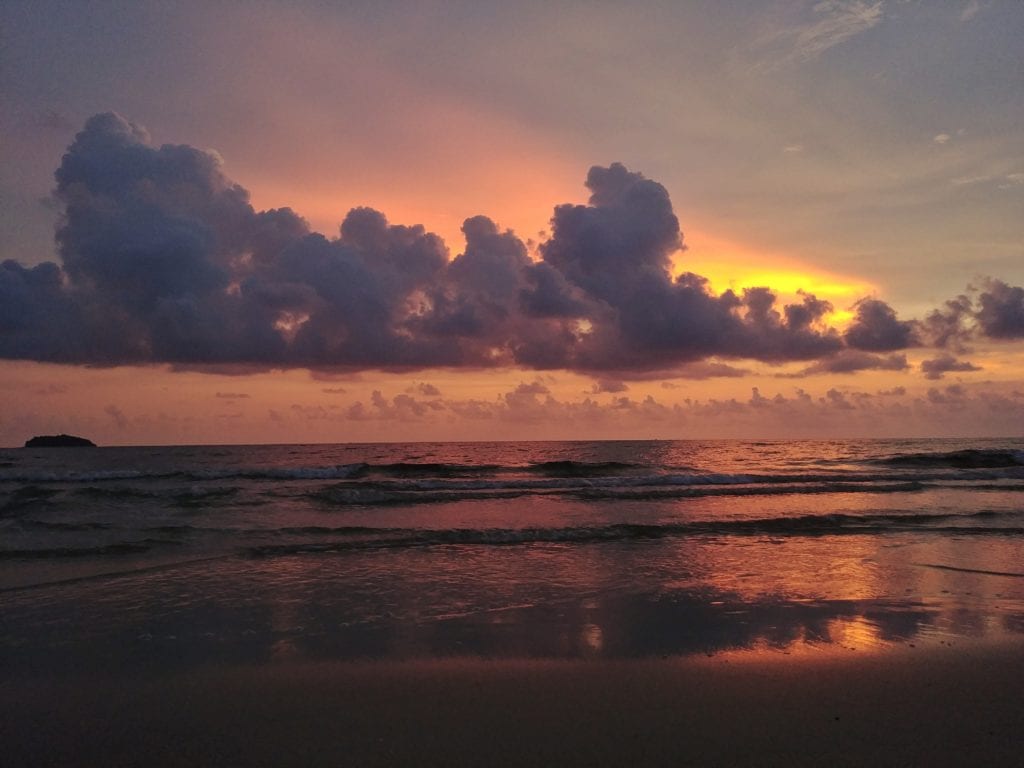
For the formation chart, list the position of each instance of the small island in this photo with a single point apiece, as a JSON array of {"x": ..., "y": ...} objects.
[{"x": 59, "y": 441}]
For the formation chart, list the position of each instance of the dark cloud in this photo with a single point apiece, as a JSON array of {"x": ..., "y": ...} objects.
[
  {"x": 853, "y": 360},
  {"x": 39, "y": 320},
  {"x": 164, "y": 260},
  {"x": 876, "y": 329},
  {"x": 947, "y": 327},
  {"x": 936, "y": 367},
  {"x": 1000, "y": 313},
  {"x": 707, "y": 369},
  {"x": 616, "y": 252}
]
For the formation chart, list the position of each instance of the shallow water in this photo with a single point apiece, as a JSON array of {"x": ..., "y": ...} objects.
[{"x": 157, "y": 557}]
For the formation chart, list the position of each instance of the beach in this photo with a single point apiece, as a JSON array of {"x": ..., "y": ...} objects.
[{"x": 910, "y": 706}]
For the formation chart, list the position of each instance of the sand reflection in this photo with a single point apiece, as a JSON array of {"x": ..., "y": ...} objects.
[{"x": 646, "y": 599}]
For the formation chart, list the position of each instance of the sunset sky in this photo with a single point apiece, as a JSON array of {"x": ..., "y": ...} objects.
[{"x": 314, "y": 221}]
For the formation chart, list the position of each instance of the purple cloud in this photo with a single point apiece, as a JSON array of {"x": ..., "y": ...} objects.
[{"x": 164, "y": 260}]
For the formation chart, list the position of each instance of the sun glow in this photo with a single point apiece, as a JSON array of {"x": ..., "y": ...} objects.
[{"x": 728, "y": 264}]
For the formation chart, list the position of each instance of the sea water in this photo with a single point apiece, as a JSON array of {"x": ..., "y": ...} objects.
[{"x": 188, "y": 555}]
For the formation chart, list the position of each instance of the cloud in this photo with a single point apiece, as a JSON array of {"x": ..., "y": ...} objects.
[
  {"x": 876, "y": 329},
  {"x": 1000, "y": 312},
  {"x": 945, "y": 363},
  {"x": 428, "y": 390},
  {"x": 535, "y": 387},
  {"x": 946, "y": 327},
  {"x": 851, "y": 361},
  {"x": 953, "y": 395},
  {"x": 402, "y": 407},
  {"x": 1003, "y": 181},
  {"x": 709, "y": 370},
  {"x": 942, "y": 138},
  {"x": 608, "y": 385},
  {"x": 232, "y": 395},
  {"x": 515, "y": 413},
  {"x": 164, "y": 260},
  {"x": 830, "y": 23},
  {"x": 894, "y": 392}
]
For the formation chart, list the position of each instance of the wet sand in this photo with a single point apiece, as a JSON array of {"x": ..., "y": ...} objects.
[{"x": 930, "y": 706}]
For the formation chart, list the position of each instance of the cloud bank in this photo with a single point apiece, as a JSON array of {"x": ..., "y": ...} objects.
[{"x": 164, "y": 260}]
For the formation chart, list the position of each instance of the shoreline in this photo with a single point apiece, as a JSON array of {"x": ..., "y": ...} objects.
[{"x": 945, "y": 705}]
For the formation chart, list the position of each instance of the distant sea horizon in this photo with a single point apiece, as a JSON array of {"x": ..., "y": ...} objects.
[{"x": 745, "y": 439}]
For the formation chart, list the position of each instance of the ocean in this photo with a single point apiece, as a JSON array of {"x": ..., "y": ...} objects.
[{"x": 170, "y": 557}]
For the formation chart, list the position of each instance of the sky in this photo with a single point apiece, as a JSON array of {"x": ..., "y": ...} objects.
[{"x": 313, "y": 221}]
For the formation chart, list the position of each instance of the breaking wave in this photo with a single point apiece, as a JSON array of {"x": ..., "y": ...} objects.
[
  {"x": 362, "y": 538},
  {"x": 969, "y": 458}
]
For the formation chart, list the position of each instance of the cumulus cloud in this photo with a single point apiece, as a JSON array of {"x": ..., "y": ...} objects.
[
  {"x": 876, "y": 329},
  {"x": 1000, "y": 313},
  {"x": 164, "y": 260},
  {"x": 939, "y": 410},
  {"x": 946, "y": 327}
]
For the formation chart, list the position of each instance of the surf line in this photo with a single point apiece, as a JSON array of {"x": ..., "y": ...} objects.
[{"x": 969, "y": 570}]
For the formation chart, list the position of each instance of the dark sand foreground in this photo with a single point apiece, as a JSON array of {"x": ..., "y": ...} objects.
[{"x": 960, "y": 705}]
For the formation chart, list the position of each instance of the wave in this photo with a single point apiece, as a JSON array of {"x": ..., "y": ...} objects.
[
  {"x": 647, "y": 489},
  {"x": 429, "y": 469},
  {"x": 558, "y": 468},
  {"x": 102, "y": 550},
  {"x": 48, "y": 525},
  {"x": 357, "y": 470},
  {"x": 23, "y": 499},
  {"x": 1000, "y": 463},
  {"x": 362, "y": 539},
  {"x": 582, "y": 468},
  {"x": 318, "y": 539},
  {"x": 114, "y": 492},
  {"x": 339, "y": 472},
  {"x": 968, "y": 458}
]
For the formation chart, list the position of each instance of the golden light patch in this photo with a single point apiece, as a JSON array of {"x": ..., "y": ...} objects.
[{"x": 727, "y": 264}]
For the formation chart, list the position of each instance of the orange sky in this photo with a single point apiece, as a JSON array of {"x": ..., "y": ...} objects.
[{"x": 823, "y": 148}]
